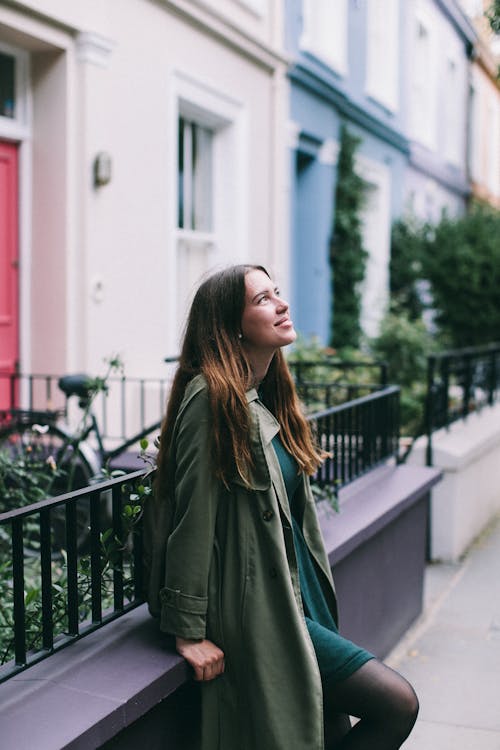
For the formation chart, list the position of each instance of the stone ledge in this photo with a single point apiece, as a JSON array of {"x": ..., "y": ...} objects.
[
  {"x": 85, "y": 694},
  {"x": 370, "y": 503}
]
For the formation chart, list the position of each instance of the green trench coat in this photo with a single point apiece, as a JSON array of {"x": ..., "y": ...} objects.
[{"x": 224, "y": 568}]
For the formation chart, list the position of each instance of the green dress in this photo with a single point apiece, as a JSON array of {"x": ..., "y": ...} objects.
[{"x": 337, "y": 657}]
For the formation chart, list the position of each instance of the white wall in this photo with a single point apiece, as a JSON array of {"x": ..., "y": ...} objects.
[
  {"x": 105, "y": 258},
  {"x": 468, "y": 496},
  {"x": 435, "y": 111}
]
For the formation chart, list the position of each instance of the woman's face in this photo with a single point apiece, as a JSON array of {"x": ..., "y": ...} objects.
[{"x": 266, "y": 324}]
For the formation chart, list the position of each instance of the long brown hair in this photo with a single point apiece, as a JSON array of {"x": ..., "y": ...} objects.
[{"x": 212, "y": 346}]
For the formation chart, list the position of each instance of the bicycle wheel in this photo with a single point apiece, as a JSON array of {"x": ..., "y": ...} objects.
[{"x": 38, "y": 461}]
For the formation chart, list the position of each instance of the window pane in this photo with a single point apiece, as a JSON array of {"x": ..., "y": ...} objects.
[
  {"x": 194, "y": 176},
  {"x": 7, "y": 102},
  {"x": 202, "y": 179},
  {"x": 180, "y": 175}
]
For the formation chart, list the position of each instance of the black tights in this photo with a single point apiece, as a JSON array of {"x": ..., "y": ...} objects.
[{"x": 384, "y": 702}]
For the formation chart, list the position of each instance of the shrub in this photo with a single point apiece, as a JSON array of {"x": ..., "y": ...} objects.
[
  {"x": 462, "y": 263},
  {"x": 347, "y": 254},
  {"x": 404, "y": 344},
  {"x": 459, "y": 259}
]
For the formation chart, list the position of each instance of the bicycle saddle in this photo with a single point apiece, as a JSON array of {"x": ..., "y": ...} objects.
[{"x": 76, "y": 385}]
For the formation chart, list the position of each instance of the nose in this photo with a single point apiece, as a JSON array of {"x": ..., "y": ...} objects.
[{"x": 281, "y": 304}]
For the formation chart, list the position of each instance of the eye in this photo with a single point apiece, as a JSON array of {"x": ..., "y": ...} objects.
[{"x": 263, "y": 298}]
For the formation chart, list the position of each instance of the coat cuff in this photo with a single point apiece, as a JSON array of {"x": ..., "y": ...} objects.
[{"x": 182, "y": 614}]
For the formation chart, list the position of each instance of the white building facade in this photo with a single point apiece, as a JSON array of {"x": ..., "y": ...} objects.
[
  {"x": 142, "y": 143},
  {"x": 438, "y": 40}
]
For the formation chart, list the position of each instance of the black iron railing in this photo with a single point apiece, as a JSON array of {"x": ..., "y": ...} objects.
[
  {"x": 459, "y": 382},
  {"x": 128, "y": 406},
  {"x": 359, "y": 435},
  {"x": 50, "y": 597},
  {"x": 329, "y": 381},
  {"x": 131, "y": 406}
]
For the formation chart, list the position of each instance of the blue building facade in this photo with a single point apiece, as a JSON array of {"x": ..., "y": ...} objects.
[
  {"x": 352, "y": 66},
  {"x": 330, "y": 44}
]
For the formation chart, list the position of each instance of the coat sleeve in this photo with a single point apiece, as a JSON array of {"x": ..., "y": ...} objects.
[{"x": 184, "y": 599}]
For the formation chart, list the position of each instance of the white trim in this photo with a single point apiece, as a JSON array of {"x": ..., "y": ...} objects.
[
  {"x": 201, "y": 101},
  {"x": 421, "y": 131},
  {"x": 292, "y": 134},
  {"x": 18, "y": 127},
  {"x": 329, "y": 152},
  {"x": 382, "y": 53},
  {"x": 257, "y": 7},
  {"x": 94, "y": 48},
  {"x": 376, "y": 236},
  {"x": 317, "y": 15}
]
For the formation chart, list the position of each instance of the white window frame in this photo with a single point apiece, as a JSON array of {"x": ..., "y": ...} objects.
[
  {"x": 316, "y": 15},
  {"x": 453, "y": 114},
  {"x": 382, "y": 53},
  {"x": 17, "y": 127},
  {"x": 193, "y": 253},
  {"x": 424, "y": 80},
  {"x": 258, "y": 7},
  {"x": 377, "y": 242},
  {"x": 493, "y": 164},
  {"x": 474, "y": 140}
]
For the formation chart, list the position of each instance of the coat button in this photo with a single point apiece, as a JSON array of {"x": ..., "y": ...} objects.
[
  {"x": 267, "y": 515},
  {"x": 273, "y": 572}
]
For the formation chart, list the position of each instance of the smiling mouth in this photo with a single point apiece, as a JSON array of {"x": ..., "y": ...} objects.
[{"x": 282, "y": 322}]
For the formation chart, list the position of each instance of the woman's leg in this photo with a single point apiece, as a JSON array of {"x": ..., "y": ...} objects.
[
  {"x": 337, "y": 725},
  {"x": 384, "y": 702}
]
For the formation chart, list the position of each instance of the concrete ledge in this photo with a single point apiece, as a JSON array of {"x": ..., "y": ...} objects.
[
  {"x": 467, "y": 441},
  {"x": 469, "y": 496},
  {"x": 88, "y": 692},
  {"x": 371, "y": 503}
]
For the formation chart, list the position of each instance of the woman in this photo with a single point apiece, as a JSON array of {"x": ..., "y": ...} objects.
[{"x": 239, "y": 575}]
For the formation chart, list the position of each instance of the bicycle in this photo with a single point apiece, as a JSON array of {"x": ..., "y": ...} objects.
[{"x": 43, "y": 436}]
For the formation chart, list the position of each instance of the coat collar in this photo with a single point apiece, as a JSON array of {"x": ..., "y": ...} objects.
[{"x": 262, "y": 430}]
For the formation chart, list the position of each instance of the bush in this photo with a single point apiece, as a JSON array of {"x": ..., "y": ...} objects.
[
  {"x": 462, "y": 263},
  {"x": 404, "y": 344},
  {"x": 347, "y": 254},
  {"x": 459, "y": 259}
]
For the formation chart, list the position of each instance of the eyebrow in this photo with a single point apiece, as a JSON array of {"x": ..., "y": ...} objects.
[{"x": 264, "y": 291}]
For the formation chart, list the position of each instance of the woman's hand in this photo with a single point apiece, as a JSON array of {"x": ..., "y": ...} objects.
[{"x": 204, "y": 656}]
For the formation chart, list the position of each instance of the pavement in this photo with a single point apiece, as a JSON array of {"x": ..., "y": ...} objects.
[{"x": 451, "y": 654}]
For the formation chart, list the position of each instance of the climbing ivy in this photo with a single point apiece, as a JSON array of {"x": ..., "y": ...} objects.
[{"x": 347, "y": 254}]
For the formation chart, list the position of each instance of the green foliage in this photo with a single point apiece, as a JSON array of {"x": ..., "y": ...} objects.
[
  {"x": 326, "y": 492},
  {"x": 404, "y": 344},
  {"x": 462, "y": 263},
  {"x": 460, "y": 259},
  {"x": 328, "y": 377},
  {"x": 347, "y": 254},
  {"x": 493, "y": 16},
  {"x": 405, "y": 267},
  {"x": 28, "y": 477}
]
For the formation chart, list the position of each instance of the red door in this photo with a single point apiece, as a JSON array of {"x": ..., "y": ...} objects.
[{"x": 9, "y": 271}]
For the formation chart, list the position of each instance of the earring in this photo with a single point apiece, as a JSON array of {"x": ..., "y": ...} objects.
[{"x": 240, "y": 335}]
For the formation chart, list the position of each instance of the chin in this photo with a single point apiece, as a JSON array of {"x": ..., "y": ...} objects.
[{"x": 290, "y": 338}]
